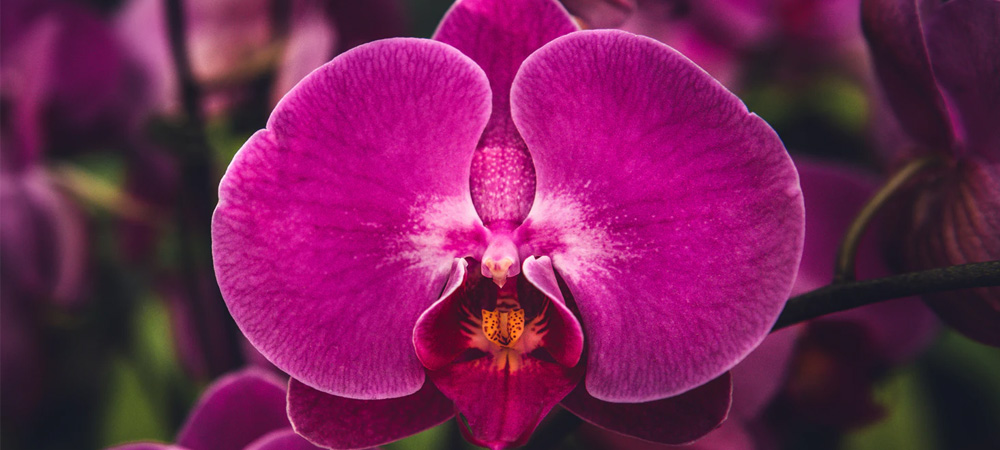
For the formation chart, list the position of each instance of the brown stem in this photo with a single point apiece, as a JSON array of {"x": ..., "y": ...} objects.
[{"x": 843, "y": 296}]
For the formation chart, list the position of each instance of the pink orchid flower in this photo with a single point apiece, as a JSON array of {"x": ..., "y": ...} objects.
[{"x": 512, "y": 215}]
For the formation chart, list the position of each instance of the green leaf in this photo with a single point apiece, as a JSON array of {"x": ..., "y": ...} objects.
[
  {"x": 909, "y": 421},
  {"x": 432, "y": 439},
  {"x": 131, "y": 414}
]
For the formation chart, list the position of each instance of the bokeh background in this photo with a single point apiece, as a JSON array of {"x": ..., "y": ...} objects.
[{"x": 111, "y": 321}]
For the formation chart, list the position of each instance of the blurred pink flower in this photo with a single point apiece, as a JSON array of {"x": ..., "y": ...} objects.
[{"x": 232, "y": 43}]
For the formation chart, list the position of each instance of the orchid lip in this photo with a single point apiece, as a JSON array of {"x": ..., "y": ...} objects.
[{"x": 505, "y": 331}]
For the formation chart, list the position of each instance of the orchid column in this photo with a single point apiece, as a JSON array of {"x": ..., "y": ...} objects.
[{"x": 518, "y": 213}]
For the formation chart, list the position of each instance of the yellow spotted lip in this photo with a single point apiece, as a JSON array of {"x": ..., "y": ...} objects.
[{"x": 503, "y": 327}]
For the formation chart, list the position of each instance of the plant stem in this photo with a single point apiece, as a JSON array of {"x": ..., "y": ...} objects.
[
  {"x": 844, "y": 268},
  {"x": 190, "y": 91},
  {"x": 847, "y": 295},
  {"x": 196, "y": 203}
]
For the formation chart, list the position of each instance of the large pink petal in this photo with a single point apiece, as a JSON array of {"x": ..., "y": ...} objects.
[
  {"x": 499, "y": 35},
  {"x": 504, "y": 405},
  {"x": 899, "y": 53},
  {"x": 673, "y": 214},
  {"x": 963, "y": 38},
  {"x": 235, "y": 411},
  {"x": 338, "y": 422},
  {"x": 673, "y": 420},
  {"x": 337, "y": 225}
]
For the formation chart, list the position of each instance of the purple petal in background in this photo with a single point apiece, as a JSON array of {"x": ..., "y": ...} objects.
[
  {"x": 761, "y": 375},
  {"x": 729, "y": 436},
  {"x": 281, "y": 440},
  {"x": 601, "y": 13},
  {"x": 337, "y": 422},
  {"x": 43, "y": 236},
  {"x": 672, "y": 420},
  {"x": 955, "y": 219},
  {"x": 355, "y": 194},
  {"x": 236, "y": 410},
  {"x": 311, "y": 42},
  {"x": 148, "y": 446},
  {"x": 661, "y": 21},
  {"x": 662, "y": 203},
  {"x": 963, "y": 38},
  {"x": 69, "y": 82},
  {"x": 896, "y": 40},
  {"x": 499, "y": 36}
]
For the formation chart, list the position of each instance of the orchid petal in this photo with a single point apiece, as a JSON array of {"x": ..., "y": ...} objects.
[
  {"x": 437, "y": 335},
  {"x": 673, "y": 420},
  {"x": 338, "y": 422},
  {"x": 963, "y": 38},
  {"x": 235, "y": 411},
  {"x": 46, "y": 234},
  {"x": 731, "y": 435},
  {"x": 282, "y": 440},
  {"x": 899, "y": 53},
  {"x": 147, "y": 446},
  {"x": 499, "y": 36},
  {"x": 141, "y": 25},
  {"x": 761, "y": 375},
  {"x": 504, "y": 405},
  {"x": 564, "y": 341},
  {"x": 738, "y": 22},
  {"x": 956, "y": 220},
  {"x": 668, "y": 209},
  {"x": 345, "y": 215}
]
